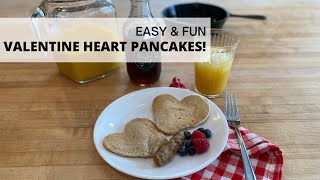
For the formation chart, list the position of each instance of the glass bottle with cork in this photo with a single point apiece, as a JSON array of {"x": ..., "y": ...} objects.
[{"x": 144, "y": 68}]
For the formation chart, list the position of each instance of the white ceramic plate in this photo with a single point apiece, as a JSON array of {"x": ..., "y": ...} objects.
[{"x": 138, "y": 105}]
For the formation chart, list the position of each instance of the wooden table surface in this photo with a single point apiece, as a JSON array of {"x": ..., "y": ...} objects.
[{"x": 46, "y": 120}]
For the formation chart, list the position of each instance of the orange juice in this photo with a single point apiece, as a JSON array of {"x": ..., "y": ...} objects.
[
  {"x": 85, "y": 72},
  {"x": 211, "y": 78}
]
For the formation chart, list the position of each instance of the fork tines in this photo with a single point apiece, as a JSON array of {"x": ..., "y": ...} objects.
[{"x": 230, "y": 107}]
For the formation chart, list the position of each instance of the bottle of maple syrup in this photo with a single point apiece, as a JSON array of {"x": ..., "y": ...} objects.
[{"x": 144, "y": 68}]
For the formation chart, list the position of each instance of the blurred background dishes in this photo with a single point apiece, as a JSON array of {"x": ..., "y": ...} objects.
[{"x": 217, "y": 14}]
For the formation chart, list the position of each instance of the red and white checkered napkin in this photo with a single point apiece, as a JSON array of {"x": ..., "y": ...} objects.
[{"x": 266, "y": 159}]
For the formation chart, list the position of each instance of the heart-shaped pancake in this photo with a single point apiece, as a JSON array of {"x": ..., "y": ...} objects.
[
  {"x": 172, "y": 115},
  {"x": 140, "y": 138}
]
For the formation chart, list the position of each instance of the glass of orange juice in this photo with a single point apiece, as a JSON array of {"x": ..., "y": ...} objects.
[{"x": 211, "y": 77}]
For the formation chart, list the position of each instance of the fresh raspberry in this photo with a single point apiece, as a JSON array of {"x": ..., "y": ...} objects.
[
  {"x": 197, "y": 134},
  {"x": 182, "y": 85},
  {"x": 201, "y": 145},
  {"x": 177, "y": 83}
]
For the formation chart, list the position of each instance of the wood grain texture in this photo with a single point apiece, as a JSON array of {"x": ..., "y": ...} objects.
[{"x": 46, "y": 121}]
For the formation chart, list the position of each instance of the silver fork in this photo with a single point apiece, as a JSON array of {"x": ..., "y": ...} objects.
[{"x": 233, "y": 118}]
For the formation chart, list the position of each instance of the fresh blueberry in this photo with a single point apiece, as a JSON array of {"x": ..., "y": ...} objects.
[
  {"x": 188, "y": 143},
  {"x": 207, "y": 132},
  {"x": 182, "y": 151},
  {"x": 191, "y": 151},
  {"x": 200, "y": 129},
  {"x": 187, "y": 135}
]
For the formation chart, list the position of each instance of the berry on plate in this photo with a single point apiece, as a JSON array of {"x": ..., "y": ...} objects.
[
  {"x": 201, "y": 145},
  {"x": 187, "y": 135},
  {"x": 188, "y": 143},
  {"x": 197, "y": 134},
  {"x": 191, "y": 151},
  {"x": 201, "y": 129},
  {"x": 182, "y": 151},
  {"x": 207, "y": 133}
]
